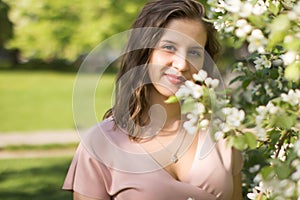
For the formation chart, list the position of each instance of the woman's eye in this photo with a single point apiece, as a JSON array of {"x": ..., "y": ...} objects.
[
  {"x": 169, "y": 48},
  {"x": 195, "y": 53}
]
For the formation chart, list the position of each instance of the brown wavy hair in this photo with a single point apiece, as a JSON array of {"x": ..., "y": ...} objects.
[{"x": 132, "y": 84}]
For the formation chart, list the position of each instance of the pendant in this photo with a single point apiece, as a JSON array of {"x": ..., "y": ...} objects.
[{"x": 174, "y": 159}]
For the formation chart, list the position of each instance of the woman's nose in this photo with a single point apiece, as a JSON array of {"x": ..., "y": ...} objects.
[{"x": 180, "y": 62}]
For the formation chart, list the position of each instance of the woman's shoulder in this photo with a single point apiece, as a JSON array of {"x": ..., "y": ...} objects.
[
  {"x": 109, "y": 144},
  {"x": 104, "y": 133}
]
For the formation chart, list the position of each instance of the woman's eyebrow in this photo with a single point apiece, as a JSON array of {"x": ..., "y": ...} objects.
[
  {"x": 197, "y": 48},
  {"x": 192, "y": 47},
  {"x": 168, "y": 41}
]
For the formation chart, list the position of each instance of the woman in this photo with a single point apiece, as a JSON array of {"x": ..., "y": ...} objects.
[{"x": 140, "y": 150}]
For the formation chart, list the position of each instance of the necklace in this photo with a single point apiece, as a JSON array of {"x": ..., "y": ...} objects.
[
  {"x": 174, "y": 155},
  {"x": 172, "y": 148}
]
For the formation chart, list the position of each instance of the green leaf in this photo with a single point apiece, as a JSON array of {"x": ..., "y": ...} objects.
[
  {"x": 230, "y": 141},
  {"x": 292, "y": 72},
  {"x": 283, "y": 171},
  {"x": 240, "y": 142},
  {"x": 250, "y": 139},
  {"x": 257, "y": 21},
  {"x": 274, "y": 136},
  {"x": 188, "y": 105},
  {"x": 273, "y": 8},
  {"x": 280, "y": 23},
  {"x": 283, "y": 120},
  {"x": 238, "y": 78},
  {"x": 172, "y": 99},
  {"x": 266, "y": 172},
  {"x": 246, "y": 83},
  {"x": 293, "y": 44},
  {"x": 279, "y": 28}
]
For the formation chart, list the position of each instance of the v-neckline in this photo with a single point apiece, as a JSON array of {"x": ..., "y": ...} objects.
[{"x": 188, "y": 175}]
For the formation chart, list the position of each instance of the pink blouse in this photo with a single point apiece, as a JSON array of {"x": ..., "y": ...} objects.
[{"x": 106, "y": 166}]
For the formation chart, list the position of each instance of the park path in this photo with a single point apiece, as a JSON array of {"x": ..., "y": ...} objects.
[{"x": 37, "y": 138}]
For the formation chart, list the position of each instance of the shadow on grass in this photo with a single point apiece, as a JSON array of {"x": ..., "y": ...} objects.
[{"x": 28, "y": 179}]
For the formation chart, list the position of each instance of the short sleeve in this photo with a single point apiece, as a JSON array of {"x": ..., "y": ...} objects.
[
  {"x": 237, "y": 162},
  {"x": 87, "y": 176}
]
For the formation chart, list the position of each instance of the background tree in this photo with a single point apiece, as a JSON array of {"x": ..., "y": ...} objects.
[
  {"x": 267, "y": 92},
  {"x": 6, "y": 25},
  {"x": 65, "y": 29}
]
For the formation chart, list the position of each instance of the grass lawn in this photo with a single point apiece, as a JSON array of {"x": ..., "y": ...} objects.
[
  {"x": 33, "y": 179},
  {"x": 31, "y": 100}
]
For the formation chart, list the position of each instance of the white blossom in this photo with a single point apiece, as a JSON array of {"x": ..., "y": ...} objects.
[
  {"x": 246, "y": 9},
  {"x": 234, "y": 117},
  {"x": 257, "y": 189},
  {"x": 268, "y": 90},
  {"x": 272, "y": 109},
  {"x": 259, "y": 8},
  {"x": 189, "y": 84},
  {"x": 253, "y": 195},
  {"x": 262, "y": 62},
  {"x": 282, "y": 153},
  {"x": 293, "y": 97},
  {"x": 297, "y": 147},
  {"x": 199, "y": 108},
  {"x": 183, "y": 91},
  {"x": 190, "y": 127},
  {"x": 258, "y": 179},
  {"x": 296, "y": 175},
  {"x": 192, "y": 118},
  {"x": 288, "y": 39},
  {"x": 296, "y": 163},
  {"x": 298, "y": 189},
  {"x": 262, "y": 110},
  {"x": 201, "y": 76},
  {"x": 259, "y": 119},
  {"x": 254, "y": 169},
  {"x": 211, "y": 82},
  {"x": 294, "y": 14},
  {"x": 232, "y": 5},
  {"x": 190, "y": 88},
  {"x": 261, "y": 133},
  {"x": 204, "y": 123},
  {"x": 219, "y": 24},
  {"x": 224, "y": 127},
  {"x": 228, "y": 27},
  {"x": 289, "y": 57},
  {"x": 219, "y": 135},
  {"x": 257, "y": 41},
  {"x": 218, "y": 6},
  {"x": 197, "y": 91},
  {"x": 243, "y": 28},
  {"x": 288, "y": 187}
]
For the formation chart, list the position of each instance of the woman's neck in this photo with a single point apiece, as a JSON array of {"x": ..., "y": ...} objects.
[{"x": 170, "y": 113}]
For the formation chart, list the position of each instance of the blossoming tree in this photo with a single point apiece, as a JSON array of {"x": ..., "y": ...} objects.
[
  {"x": 267, "y": 99},
  {"x": 261, "y": 116}
]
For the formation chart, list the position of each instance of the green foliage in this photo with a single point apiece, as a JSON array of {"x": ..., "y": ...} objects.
[
  {"x": 292, "y": 72},
  {"x": 172, "y": 99},
  {"x": 279, "y": 27},
  {"x": 6, "y": 26},
  {"x": 267, "y": 89},
  {"x": 243, "y": 141},
  {"x": 65, "y": 29}
]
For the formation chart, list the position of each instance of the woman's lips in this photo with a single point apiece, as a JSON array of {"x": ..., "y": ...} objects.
[{"x": 174, "y": 79}]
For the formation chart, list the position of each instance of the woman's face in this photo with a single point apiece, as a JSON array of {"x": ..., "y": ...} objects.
[{"x": 178, "y": 54}]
